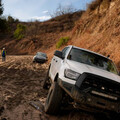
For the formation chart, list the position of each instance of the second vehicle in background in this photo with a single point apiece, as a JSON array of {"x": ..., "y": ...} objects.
[{"x": 40, "y": 57}]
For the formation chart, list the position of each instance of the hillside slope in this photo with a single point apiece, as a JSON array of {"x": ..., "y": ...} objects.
[
  {"x": 99, "y": 30},
  {"x": 39, "y": 36}
]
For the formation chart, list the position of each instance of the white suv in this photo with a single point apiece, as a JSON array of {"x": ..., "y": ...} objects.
[{"x": 90, "y": 80}]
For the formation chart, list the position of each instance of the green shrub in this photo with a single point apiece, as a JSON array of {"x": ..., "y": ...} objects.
[
  {"x": 62, "y": 41},
  {"x": 20, "y": 31}
]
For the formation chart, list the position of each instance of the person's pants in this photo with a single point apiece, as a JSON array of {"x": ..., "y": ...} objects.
[{"x": 3, "y": 59}]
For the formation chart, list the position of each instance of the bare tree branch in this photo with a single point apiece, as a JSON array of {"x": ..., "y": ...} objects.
[{"x": 61, "y": 10}]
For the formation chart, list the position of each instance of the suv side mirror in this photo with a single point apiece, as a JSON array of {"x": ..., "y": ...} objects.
[{"x": 58, "y": 54}]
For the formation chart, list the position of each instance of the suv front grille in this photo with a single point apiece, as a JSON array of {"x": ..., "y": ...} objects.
[{"x": 101, "y": 84}]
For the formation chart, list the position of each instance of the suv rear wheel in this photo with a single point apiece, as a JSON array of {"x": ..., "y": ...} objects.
[
  {"x": 54, "y": 99},
  {"x": 46, "y": 83}
]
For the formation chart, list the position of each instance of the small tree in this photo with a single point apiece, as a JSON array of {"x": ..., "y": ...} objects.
[
  {"x": 10, "y": 19},
  {"x": 20, "y": 31},
  {"x": 1, "y": 8},
  {"x": 3, "y": 25}
]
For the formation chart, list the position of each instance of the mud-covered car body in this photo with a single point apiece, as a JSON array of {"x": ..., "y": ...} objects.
[
  {"x": 40, "y": 57},
  {"x": 90, "y": 79}
]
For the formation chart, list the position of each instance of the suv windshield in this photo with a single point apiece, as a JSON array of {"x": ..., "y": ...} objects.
[{"x": 92, "y": 59}]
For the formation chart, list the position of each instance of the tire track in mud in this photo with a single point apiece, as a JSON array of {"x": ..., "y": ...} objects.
[{"x": 21, "y": 82}]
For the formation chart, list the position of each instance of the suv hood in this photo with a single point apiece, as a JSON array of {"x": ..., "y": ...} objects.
[
  {"x": 40, "y": 57},
  {"x": 81, "y": 68}
]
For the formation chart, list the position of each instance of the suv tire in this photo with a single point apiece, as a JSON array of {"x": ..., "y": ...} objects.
[
  {"x": 46, "y": 82},
  {"x": 54, "y": 99}
]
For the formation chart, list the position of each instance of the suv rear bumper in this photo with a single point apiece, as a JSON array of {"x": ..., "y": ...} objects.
[{"x": 87, "y": 101}]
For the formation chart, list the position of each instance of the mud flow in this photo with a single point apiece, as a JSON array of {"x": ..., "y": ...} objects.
[{"x": 21, "y": 94}]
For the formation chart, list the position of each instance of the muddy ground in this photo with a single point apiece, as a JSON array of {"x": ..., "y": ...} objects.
[{"x": 21, "y": 84}]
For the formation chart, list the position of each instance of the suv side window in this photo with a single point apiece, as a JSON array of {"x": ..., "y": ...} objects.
[{"x": 64, "y": 51}]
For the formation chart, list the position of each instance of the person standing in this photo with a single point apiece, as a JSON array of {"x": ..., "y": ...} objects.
[{"x": 3, "y": 55}]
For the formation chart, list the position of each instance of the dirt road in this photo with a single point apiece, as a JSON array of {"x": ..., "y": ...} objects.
[{"x": 21, "y": 84}]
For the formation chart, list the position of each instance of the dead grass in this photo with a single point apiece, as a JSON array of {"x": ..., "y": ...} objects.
[
  {"x": 100, "y": 33},
  {"x": 94, "y": 4}
]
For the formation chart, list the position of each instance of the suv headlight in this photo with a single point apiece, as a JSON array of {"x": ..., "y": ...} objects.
[{"x": 71, "y": 74}]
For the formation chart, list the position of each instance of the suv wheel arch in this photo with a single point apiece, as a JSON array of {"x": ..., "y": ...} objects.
[{"x": 56, "y": 77}]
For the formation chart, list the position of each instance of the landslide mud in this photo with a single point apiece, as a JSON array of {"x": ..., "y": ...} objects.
[{"x": 20, "y": 83}]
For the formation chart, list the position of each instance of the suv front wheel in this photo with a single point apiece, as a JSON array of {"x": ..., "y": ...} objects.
[{"x": 54, "y": 99}]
